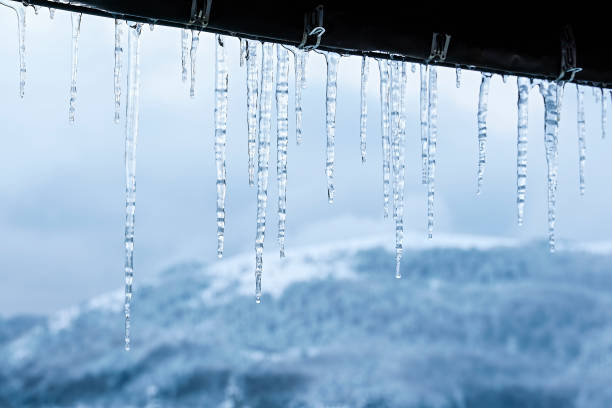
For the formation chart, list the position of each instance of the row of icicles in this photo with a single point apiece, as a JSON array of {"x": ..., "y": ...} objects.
[{"x": 267, "y": 79}]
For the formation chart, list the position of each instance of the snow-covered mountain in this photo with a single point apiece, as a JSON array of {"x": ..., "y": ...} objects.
[{"x": 484, "y": 324}]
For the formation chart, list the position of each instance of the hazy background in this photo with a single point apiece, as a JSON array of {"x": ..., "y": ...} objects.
[{"x": 62, "y": 186}]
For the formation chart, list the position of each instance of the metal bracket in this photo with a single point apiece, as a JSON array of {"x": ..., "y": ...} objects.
[
  {"x": 439, "y": 47},
  {"x": 200, "y": 12},
  {"x": 313, "y": 29},
  {"x": 568, "y": 55}
]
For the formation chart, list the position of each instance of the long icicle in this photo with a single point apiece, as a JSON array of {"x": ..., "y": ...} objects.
[
  {"x": 282, "y": 140},
  {"x": 330, "y": 120},
  {"x": 300, "y": 83},
  {"x": 431, "y": 146},
  {"x": 549, "y": 92},
  {"x": 195, "y": 40},
  {"x": 483, "y": 99},
  {"x": 263, "y": 158},
  {"x": 363, "y": 120},
  {"x": 21, "y": 26},
  {"x": 131, "y": 138},
  {"x": 604, "y": 114},
  {"x": 424, "y": 106},
  {"x": 521, "y": 145},
  {"x": 221, "y": 88},
  {"x": 253, "y": 62},
  {"x": 76, "y": 28},
  {"x": 383, "y": 68},
  {"x": 184, "y": 53},
  {"x": 458, "y": 77},
  {"x": 581, "y": 136},
  {"x": 117, "y": 70},
  {"x": 399, "y": 220}
]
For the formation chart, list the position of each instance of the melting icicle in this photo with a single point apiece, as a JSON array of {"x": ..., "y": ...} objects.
[
  {"x": 424, "y": 102},
  {"x": 76, "y": 28},
  {"x": 551, "y": 129},
  {"x": 431, "y": 147},
  {"x": 243, "y": 49},
  {"x": 184, "y": 53},
  {"x": 458, "y": 77},
  {"x": 383, "y": 68},
  {"x": 131, "y": 138},
  {"x": 521, "y": 145},
  {"x": 221, "y": 86},
  {"x": 483, "y": 100},
  {"x": 604, "y": 114},
  {"x": 21, "y": 25},
  {"x": 195, "y": 40},
  {"x": 399, "y": 210},
  {"x": 300, "y": 83},
  {"x": 265, "y": 114},
  {"x": 282, "y": 140},
  {"x": 330, "y": 119},
  {"x": 117, "y": 70},
  {"x": 253, "y": 68},
  {"x": 581, "y": 136},
  {"x": 363, "y": 122}
]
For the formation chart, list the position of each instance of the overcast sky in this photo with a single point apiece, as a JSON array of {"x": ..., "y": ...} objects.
[{"x": 62, "y": 186}]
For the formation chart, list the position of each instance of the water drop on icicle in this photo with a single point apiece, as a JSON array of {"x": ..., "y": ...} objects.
[
  {"x": 76, "y": 28},
  {"x": 363, "y": 120},
  {"x": 581, "y": 136},
  {"x": 299, "y": 59},
  {"x": 383, "y": 68},
  {"x": 21, "y": 26},
  {"x": 263, "y": 157},
  {"x": 483, "y": 100},
  {"x": 521, "y": 145},
  {"x": 424, "y": 106},
  {"x": 195, "y": 40},
  {"x": 282, "y": 140},
  {"x": 117, "y": 70},
  {"x": 330, "y": 119},
  {"x": 131, "y": 138},
  {"x": 549, "y": 92},
  {"x": 253, "y": 68},
  {"x": 221, "y": 87},
  {"x": 184, "y": 53},
  {"x": 431, "y": 147},
  {"x": 604, "y": 114},
  {"x": 458, "y": 77}
]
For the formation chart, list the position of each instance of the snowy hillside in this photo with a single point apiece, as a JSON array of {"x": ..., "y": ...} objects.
[{"x": 483, "y": 325}]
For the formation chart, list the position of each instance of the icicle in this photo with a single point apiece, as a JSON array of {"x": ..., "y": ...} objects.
[
  {"x": 300, "y": 83},
  {"x": 504, "y": 78},
  {"x": 282, "y": 140},
  {"x": 131, "y": 137},
  {"x": 424, "y": 124},
  {"x": 221, "y": 87},
  {"x": 195, "y": 40},
  {"x": 483, "y": 100},
  {"x": 363, "y": 122},
  {"x": 431, "y": 146},
  {"x": 383, "y": 68},
  {"x": 399, "y": 210},
  {"x": 604, "y": 114},
  {"x": 151, "y": 26},
  {"x": 184, "y": 53},
  {"x": 36, "y": 9},
  {"x": 458, "y": 77},
  {"x": 21, "y": 25},
  {"x": 413, "y": 67},
  {"x": 330, "y": 119},
  {"x": 243, "y": 49},
  {"x": 265, "y": 109},
  {"x": 51, "y": 13},
  {"x": 521, "y": 145},
  {"x": 253, "y": 68},
  {"x": 551, "y": 128},
  {"x": 596, "y": 94},
  {"x": 397, "y": 75},
  {"x": 581, "y": 136},
  {"x": 76, "y": 28},
  {"x": 117, "y": 71}
]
